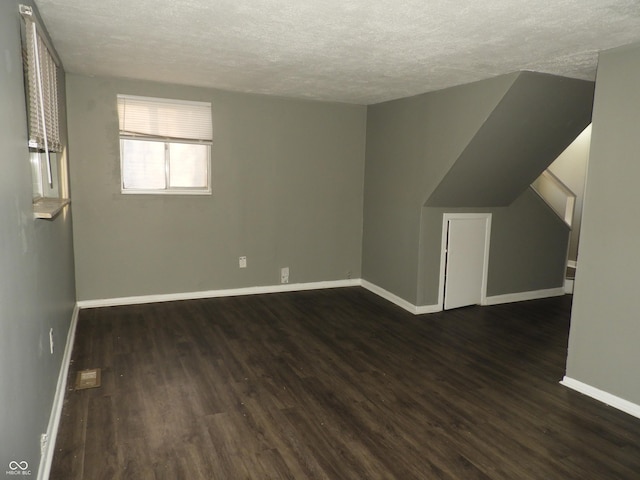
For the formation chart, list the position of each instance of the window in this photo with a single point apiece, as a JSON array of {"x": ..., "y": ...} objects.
[
  {"x": 165, "y": 145},
  {"x": 45, "y": 145}
]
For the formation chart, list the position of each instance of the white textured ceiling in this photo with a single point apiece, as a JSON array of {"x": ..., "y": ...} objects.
[{"x": 356, "y": 51}]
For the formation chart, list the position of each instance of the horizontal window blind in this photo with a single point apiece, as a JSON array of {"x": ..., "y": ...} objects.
[
  {"x": 170, "y": 120},
  {"x": 42, "y": 81}
]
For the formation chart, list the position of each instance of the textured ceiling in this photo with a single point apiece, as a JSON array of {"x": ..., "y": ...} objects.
[{"x": 356, "y": 51}]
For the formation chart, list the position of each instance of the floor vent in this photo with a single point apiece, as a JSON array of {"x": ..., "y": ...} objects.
[{"x": 88, "y": 379}]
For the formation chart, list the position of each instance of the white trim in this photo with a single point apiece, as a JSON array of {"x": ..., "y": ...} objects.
[
  {"x": 232, "y": 292},
  {"x": 443, "y": 249},
  {"x": 58, "y": 400},
  {"x": 296, "y": 287},
  {"x": 424, "y": 309},
  {"x": 443, "y": 261},
  {"x": 572, "y": 263},
  {"x": 568, "y": 285},
  {"x": 522, "y": 296},
  {"x": 291, "y": 287},
  {"x": 391, "y": 297},
  {"x": 602, "y": 396}
]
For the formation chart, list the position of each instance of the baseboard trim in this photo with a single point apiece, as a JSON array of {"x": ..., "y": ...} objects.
[
  {"x": 568, "y": 285},
  {"x": 523, "y": 296},
  {"x": 602, "y": 396},
  {"x": 58, "y": 400},
  {"x": 296, "y": 287},
  {"x": 409, "y": 307},
  {"x": 232, "y": 292}
]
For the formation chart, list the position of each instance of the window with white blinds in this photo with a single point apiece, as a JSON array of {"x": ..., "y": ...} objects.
[
  {"x": 41, "y": 92},
  {"x": 165, "y": 145},
  {"x": 42, "y": 82}
]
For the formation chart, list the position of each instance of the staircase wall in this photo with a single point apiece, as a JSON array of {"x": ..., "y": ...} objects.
[
  {"x": 535, "y": 121},
  {"x": 412, "y": 145}
]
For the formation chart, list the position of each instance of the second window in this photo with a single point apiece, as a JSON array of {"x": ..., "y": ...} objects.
[{"x": 165, "y": 145}]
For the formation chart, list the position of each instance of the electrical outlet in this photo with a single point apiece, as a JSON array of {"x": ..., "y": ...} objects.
[
  {"x": 242, "y": 262},
  {"x": 284, "y": 275},
  {"x": 51, "y": 340}
]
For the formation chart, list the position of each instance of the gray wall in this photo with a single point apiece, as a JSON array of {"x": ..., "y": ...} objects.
[
  {"x": 605, "y": 324},
  {"x": 37, "y": 289},
  {"x": 287, "y": 191},
  {"x": 411, "y": 144},
  {"x": 528, "y": 248}
]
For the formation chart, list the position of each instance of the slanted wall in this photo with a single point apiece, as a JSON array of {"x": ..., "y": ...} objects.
[
  {"x": 412, "y": 144},
  {"x": 535, "y": 121}
]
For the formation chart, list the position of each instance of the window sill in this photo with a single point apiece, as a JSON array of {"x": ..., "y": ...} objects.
[{"x": 49, "y": 208}]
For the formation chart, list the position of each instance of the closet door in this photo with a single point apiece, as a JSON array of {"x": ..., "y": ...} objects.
[{"x": 466, "y": 257}]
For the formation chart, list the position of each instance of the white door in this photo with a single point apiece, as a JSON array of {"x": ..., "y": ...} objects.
[{"x": 466, "y": 260}]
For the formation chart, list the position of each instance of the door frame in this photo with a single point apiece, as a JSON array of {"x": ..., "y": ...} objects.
[{"x": 443, "y": 252}]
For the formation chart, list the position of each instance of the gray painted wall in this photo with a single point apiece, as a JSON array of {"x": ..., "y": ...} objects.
[
  {"x": 411, "y": 144},
  {"x": 287, "y": 191},
  {"x": 37, "y": 290},
  {"x": 528, "y": 248},
  {"x": 605, "y": 325}
]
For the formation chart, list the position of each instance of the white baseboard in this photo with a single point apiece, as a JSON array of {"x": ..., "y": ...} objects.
[
  {"x": 409, "y": 307},
  {"x": 602, "y": 396},
  {"x": 296, "y": 287},
  {"x": 58, "y": 401},
  {"x": 568, "y": 285},
  {"x": 423, "y": 309},
  {"x": 522, "y": 296},
  {"x": 170, "y": 297}
]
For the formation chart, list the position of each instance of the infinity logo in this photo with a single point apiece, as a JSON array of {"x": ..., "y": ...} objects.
[{"x": 13, "y": 465}]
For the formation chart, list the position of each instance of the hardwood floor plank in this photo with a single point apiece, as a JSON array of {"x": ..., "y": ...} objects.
[
  {"x": 334, "y": 384},
  {"x": 101, "y": 454}
]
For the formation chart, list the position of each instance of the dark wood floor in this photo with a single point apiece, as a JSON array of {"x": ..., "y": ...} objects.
[{"x": 334, "y": 384}]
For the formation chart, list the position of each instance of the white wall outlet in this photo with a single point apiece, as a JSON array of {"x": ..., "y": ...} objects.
[
  {"x": 284, "y": 275},
  {"x": 242, "y": 262},
  {"x": 51, "y": 340}
]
